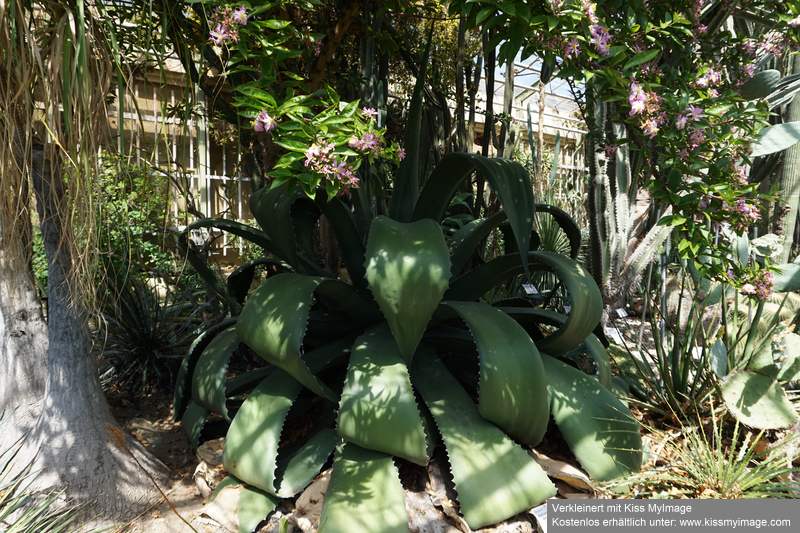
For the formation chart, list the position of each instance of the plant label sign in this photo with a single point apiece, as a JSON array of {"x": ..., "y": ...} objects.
[
  {"x": 530, "y": 289},
  {"x": 540, "y": 513}
]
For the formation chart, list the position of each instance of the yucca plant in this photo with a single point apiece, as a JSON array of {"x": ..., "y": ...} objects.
[
  {"x": 379, "y": 361},
  {"x": 25, "y": 510}
]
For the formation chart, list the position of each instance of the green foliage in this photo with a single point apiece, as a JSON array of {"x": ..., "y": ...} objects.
[
  {"x": 715, "y": 461},
  {"x": 144, "y": 334},
  {"x": 131, "y": 218},
  {"x": 316, "y": 141},
  {"x": 676, "y": 375},
  {"x": 677, "y": 77},
  {"x": 351, "y": 353}
]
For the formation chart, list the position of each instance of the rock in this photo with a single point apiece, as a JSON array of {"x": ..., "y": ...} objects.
[
  {"x": 223, "y": 509},
  {"x": 424, "y": 517},
  {"x": 308, "y": 506},
  {"x": 199, "y": 476},
  {"x": 211, "y": 451}
]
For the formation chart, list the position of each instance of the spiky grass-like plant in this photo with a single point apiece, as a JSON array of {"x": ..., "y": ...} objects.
[{"x": 718, "y": 460}]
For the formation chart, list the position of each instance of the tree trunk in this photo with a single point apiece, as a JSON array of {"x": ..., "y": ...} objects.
[
  {"x": 23, "y": 337},
  {"x": 76, "y": 444},
  {"x": 472, "y": 91},
  {"x": 461, "y": 127},
  {"x": 488, "y": 123},
  {"x": 505, "y": 143}
]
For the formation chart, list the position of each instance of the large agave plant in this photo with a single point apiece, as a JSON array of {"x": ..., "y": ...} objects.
[{"x": 379, "y": 362}]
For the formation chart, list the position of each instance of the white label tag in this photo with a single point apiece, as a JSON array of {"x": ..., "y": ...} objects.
[
  {"x": 530, "y": 289},
  {"x": 540, "y": 513},
  {"x": 567, "y": 308},
  {"x": 614, "y": 335},
  {"x": 622, "y": 313}
]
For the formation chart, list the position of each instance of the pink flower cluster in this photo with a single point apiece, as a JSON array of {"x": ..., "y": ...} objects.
[
  {"x": 319, "y": 158},
  {"x": 588, "y": 9},
  {"x": 601, "y": 39},
  {"x": 647, "y": 104},
  {"x": 264, "y": 123},
  {"x": 749, "y": 214},
  {"x": 369, "y": 142},
  {"x": 225, "y": 22},
  {"x": 696, "y": 137},
  {"x": 572, "y": 48},
  {"x": 747, "y": 209},
  {"x": 637, "y": 99},
  {"x": 749, "y": 70},
  {"x": 742, "y": 174},
  {"x": 712, "y": 78},
  {"x": 773, "y": 42},
  {"x": 370, "y": 112},
  {"x": 762, "y": 285}
]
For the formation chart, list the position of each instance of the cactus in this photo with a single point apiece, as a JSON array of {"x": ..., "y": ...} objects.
[{"x": 616, "y": 266}]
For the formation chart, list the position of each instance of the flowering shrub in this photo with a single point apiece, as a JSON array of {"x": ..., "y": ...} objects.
[
  {"x": 319, "y": 142},
  {"x": 674, "y": 76}
]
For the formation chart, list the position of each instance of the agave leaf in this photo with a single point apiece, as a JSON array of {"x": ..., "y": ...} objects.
[
  {"x": 401, "y": 204},
  {"x": 183, "y": 381},
  {"x": 273, "y": 323},
  {"x": 251, "y": 444},
  {"x": 757, "y": 400},
  {"x": 208, "y": 274},
  {"x": 776, "y": 138},
  {"x": 273, "y": 208},
  {"x": 761, "y": 85},
  {"x": 193, "y": 420},
  {"x": 530, "y": 318},
  {"x": 344, "y": 226},
  {"x": 249, "y": 505},
  {"x": 597, "y": 426},
  {"x": 508, "y": 179},
  {"x": 512, "y": 384},
  {"x": 598, "y": 353},
  {"x": 247, "y": 381},
  {"x": 252, "y": 441},
  {"x": 364, "y": 494},
  {"x": 586, "y": 300},
  {"x": 408, "y": 270},
  {"x": 297, "y": 470},
  {"x": 244, "y": 231},
  {"x": 378, "y": 410},
  {"x": 239, "y": 280},
  {"x": 208, "y": 383},
  {"x": 784, "y": 91},
  {"x": 787, "y": 277},
  {"x": 494, "y": 477},
  {"x": 467, "y": 239},
  {"x": 254, "y": 507}
]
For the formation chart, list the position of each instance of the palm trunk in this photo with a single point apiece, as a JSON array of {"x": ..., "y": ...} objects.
[
  {"x": 76, "y": 444},
  {"x": 23, "y": 336}
]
